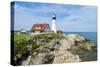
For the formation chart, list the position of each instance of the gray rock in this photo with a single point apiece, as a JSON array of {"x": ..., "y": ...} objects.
[
  {"x": 27, "y": 61},
  {"x": 54, "y": 52},
  {"x": 39, "y": 59}
]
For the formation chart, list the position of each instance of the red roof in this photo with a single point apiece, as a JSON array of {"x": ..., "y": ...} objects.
[{"x": 40, "y": 27}]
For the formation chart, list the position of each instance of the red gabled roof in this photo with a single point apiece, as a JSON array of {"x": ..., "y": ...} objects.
[{"x": 42, "y": 26}]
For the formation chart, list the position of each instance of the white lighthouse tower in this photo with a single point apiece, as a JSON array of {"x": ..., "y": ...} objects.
[{"x": 53, "y": 27}]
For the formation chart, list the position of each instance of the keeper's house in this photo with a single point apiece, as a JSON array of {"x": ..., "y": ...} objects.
[{"x": 38, "y": 28}]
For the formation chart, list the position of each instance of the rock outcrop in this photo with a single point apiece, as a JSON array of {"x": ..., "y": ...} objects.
[
  {"x": 59, "y": 50},
  {"x": 79, "y": 42}
]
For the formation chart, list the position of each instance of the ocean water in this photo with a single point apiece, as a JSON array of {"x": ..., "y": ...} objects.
[{"x": 89, "y": 35}]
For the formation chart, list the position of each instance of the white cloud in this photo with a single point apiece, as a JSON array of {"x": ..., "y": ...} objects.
[
  {"x": 81, "y": 18},
  {"x": 84, "y": 20}
]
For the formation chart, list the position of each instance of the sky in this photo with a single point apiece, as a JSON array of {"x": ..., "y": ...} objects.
[{"x": 69, "y": 18}]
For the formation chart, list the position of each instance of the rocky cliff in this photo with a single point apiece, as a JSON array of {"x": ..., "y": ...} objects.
[{"x": 62, "y": 49}]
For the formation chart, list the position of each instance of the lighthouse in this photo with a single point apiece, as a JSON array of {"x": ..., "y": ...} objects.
[{"x": 53, "y": 27}]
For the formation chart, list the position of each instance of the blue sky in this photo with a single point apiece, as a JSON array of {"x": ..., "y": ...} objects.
[{"x": 70, "y": 18}]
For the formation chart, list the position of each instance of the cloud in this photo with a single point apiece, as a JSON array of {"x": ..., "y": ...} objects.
[
  {"x": 84, "y": 20},
  {"x": 69, "y": 17}
]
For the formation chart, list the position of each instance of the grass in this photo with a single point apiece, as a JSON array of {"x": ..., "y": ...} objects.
[
  {"x": 21, "y": 36},
  {"x": 20, "y": 41}
]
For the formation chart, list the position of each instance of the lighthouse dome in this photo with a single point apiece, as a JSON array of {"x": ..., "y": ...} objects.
[{"x": 54, "y": 15}]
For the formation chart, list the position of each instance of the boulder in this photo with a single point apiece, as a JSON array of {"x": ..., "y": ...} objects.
[
  {"x": 39, "y": 58},
  {"x": 75, "y": 37},
  {"x": 65, "y": 57},
  {"x": 27, "y": 61}
]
